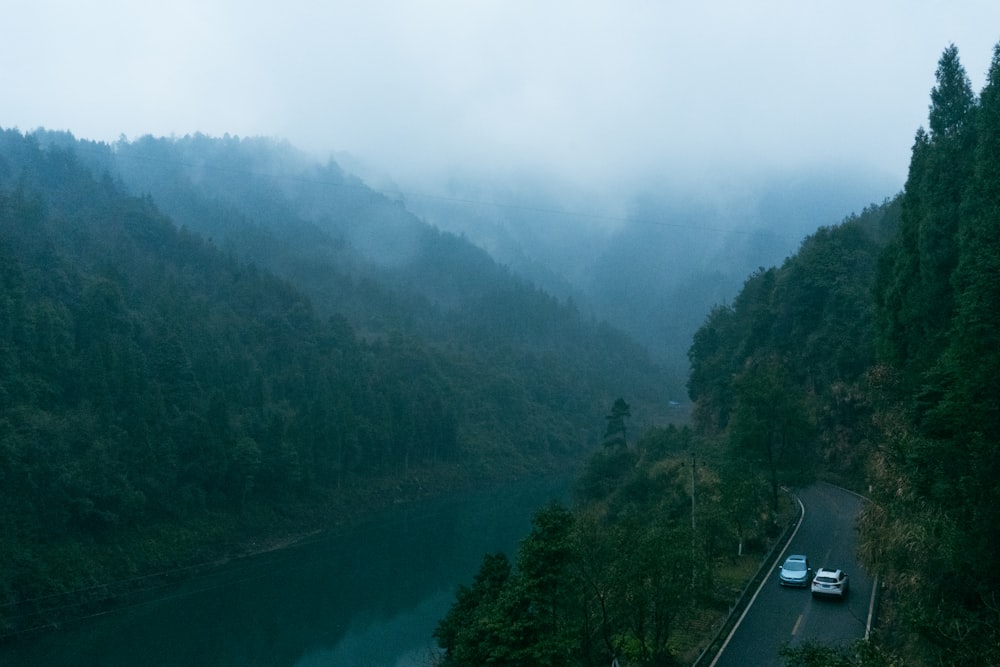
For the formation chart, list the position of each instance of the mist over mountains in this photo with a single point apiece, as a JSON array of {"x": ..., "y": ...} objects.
[
  {"x": 656, "y": 263},
  {"x": 651, "y": 263},
  {"x": 220, "y": 335},
  {"x": 226, "y": 327}
]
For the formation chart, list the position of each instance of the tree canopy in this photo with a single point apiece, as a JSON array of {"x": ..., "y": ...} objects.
[
  {"x": 153, "y": 379},
  {"x": 932, "y": 528},
  {"x": 869, "y": 358}
]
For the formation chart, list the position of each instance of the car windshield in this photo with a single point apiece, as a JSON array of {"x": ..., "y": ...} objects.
[
  {"x": 795, "y": 566},
  {"x": 826, "y": 580}
]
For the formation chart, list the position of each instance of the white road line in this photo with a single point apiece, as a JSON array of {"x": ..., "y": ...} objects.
[{"x": 764, "y": 581}]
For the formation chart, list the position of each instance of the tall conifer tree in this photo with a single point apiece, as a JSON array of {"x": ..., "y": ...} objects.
[
  {"x": 916, "y": 285},
  {"x": 969, "y": 413},
  {"x": 933, "y": 526}
]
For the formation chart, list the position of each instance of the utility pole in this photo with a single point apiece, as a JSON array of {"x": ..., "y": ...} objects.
[
  {"x": 692, "y": 496},
  {"x": 694, "y": 545}
]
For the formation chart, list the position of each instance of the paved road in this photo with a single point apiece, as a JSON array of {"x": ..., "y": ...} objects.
[{"x": 777, "y": 615}]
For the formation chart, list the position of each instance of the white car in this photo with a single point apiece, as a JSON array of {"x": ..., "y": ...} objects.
[
  {"x": 795, "y": 571},
  {"x": 830, "y": 583}
]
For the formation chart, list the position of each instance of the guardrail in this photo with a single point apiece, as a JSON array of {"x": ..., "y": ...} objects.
[
  {"x": 742, "y": 600},
  {"x": 717, "y": 642}
]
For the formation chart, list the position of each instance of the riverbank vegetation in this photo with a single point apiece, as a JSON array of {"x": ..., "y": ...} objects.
[
  {"x": 634, "y": 572},
  {"x": 164, "y": 403},
  {"x": 869, "y": 358},
  {"x": 665, "y": 532},
  {"x": 199, "y": 360}
]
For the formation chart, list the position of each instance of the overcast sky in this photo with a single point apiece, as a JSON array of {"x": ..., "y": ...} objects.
[{"x": 590, "y": 92}]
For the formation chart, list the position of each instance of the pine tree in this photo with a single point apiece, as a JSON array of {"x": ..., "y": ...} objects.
[
  {"x": 937, "y": 510},
  {"x": 977, "y": 278},
  {"x": 969, "y": 412},
  {"x": 916, "y": 288},
  {"x": 952, "y": 99},
  {"x": 616, "y": 431}
]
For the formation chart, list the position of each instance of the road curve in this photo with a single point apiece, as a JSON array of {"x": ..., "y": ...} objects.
[{"x": 777, "y": 615}]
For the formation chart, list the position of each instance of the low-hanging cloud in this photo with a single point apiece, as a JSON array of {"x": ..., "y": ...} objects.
[{"x": 593, "y": 93}]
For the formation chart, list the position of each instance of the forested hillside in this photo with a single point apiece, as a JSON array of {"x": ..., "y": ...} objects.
[
  {"x": 206, "y": 340},
  {"x": 358, "y": 253},
  {"x": 163, "y": 394},
  {"x": 869, "y": 358},
  {"x": 933, "y": 527},
  {"x": 634, "y": 570},
  {"x": 687, "y": 246},
  {"x": 779, "y": 374},
  {"x": 630, "y": 573}
]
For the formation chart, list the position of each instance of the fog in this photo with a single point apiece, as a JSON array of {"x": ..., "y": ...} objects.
[
  {"x": 594, "y": 96},
  {"x": 689, "y": 142}
]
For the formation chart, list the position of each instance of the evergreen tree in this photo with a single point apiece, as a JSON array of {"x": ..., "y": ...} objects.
[
  {"x": 967, "y": 420},
  {"x": 932, "y": 528},
  {"x": 615, "y": 433},
  {"x": 464, "y": 632},
  {"x": 918, "y": 287},
  {"x": 952, "y": 98},
  {"x": 770, "y": 427}
]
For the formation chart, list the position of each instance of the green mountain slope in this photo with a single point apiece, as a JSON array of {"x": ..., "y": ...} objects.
[{"x": 155, "y": 382}]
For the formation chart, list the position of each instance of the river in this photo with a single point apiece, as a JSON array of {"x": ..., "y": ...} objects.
[{"x": 368, "y": 598}]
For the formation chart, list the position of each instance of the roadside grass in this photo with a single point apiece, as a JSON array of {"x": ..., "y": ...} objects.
[
  {"x": 732, "y": 578},
  {"x": 696, "y": 628}
]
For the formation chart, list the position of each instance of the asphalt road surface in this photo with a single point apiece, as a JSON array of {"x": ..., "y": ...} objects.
[{"x": 778, "y": 615}]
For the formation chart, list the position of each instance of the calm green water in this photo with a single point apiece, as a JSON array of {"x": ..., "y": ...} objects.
[{"x": 370, "y": 598}]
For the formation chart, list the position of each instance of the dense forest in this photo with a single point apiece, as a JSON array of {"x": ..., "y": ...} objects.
[
  {"x": 169, "y": 390},
  {"x": 774, "y": 407},
  {"x": 591, "y": 584},
  {"x": 209, "y": 341},
  {"x": 932, "y": 528},
  {"x": 869, "y": 358}
]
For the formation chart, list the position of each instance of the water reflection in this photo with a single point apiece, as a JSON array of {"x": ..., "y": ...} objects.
[
  {"x": 371, "y": 597},
  {"x": 398, "y": 642}
]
